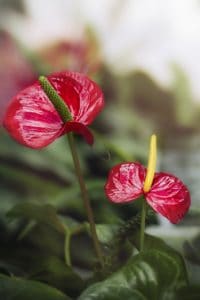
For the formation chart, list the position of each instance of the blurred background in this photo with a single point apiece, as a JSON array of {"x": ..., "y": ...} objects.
[{"x": 145, "y": 56}]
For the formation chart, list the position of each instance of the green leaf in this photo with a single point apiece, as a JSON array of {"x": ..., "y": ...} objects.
[
  {"x": 191, "y": 250},
  {"x": 190, "y": 292},
  {"x": 55, "y": 272},
  {"x": 41, "y": 213},
  {"x": 105, "y": 232},
  {"x": 150, "y": 275},
  {"x": 112, "y": 292},
  {"x": 154, "y": 243},
  {"x": 117, "y": 252},
  {"x": 19, "y": 289}
]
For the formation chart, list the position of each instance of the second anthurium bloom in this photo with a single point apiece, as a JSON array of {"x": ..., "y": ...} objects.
[
  {"x": 33, "y": 120},
  {"x": 164, "y": 192}
]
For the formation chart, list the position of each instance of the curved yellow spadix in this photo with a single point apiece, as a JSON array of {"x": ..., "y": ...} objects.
[{"x": 151, "y": 164}]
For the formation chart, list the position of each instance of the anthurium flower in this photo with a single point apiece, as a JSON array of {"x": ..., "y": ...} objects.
[
  {"x": 166, "y": 194},
  {"x": 33, "y": 120}
]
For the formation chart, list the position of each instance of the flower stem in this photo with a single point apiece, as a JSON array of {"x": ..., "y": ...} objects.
[
  {"x": 85, "y": 198},
  {"x": 142, "y": 224},
  {"x": 67, "y": 247}
]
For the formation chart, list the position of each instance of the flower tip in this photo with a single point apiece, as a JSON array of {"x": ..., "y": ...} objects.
[
  {"x": 43, "y": 82},
  {"x": 41, "y": 78},
  {"x": 153, "y": 138}
]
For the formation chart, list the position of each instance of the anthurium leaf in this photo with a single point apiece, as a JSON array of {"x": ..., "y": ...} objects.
[
  {"x": 149, "y": 275},
  {"x": 19, "y": 289},
  {"x": 106, "y": 232},
  {"x": 20, "y": 176},
  {"x": 7, "y": 268},
  {"x": 151, "y": 242},
  {"x": 112, "y": 292},
  {"x": 191, "y": 250},
  {"x": 45, "y": 213},
  {"x": 117, "y": 252},
  {"x": 189, "y": 292},
  {"x": 82, "y": 251},
  {"x": 55, "y": 272}
]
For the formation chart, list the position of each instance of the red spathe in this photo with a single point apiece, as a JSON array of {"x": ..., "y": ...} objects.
[
  {"x": 32, "y": 120},
  {"x": 167, "y": 196}
]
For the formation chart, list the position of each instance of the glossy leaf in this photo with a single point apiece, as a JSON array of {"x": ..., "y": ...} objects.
[
  {"x": 112, "y": 291},
  {"x": 154, "y": 243},
  {"x": 19, "y": 289},
  {"x": 150, "y": 275}
]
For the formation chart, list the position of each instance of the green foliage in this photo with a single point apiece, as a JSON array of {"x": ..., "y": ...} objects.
[
  {"x": 189, "y": 293},
  {"x": 55, "y": 272},
  {"x": 150, "y": 275},
  {"x": 19, "y": 289},
  {"x": 41, "y": 213}
]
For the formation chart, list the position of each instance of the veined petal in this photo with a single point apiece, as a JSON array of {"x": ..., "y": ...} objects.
[
  {"x": 31, "y": 118},
  {"x": 169, "y": 197},
  {"x": 33, "y": 121},
  {"x": 82, "y": 95},
  {"x": 80, "y": 129},
  {"x": 125, "y": 182}
]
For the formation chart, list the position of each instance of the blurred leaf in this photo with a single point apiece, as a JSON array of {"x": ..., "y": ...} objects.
[
  {"x": 69, "y": 200},
  {"x": 82, "y": 251},
  {"x": 185, "y": 109},
  {"x": 192, "y": 250},
  {"x": 175, "y": 236},
  {"x": 10, "y": 5},
  {"x": 106, "y": 232},
  {"x": 22, "y": 177},
  {"x": 24, "y": 255},
  {"x": 48, "y": 165},
  {"x": 188, "y": 293},
  {"x": 191, "y": 253},
  {"x": 150, "y": 275},
  {"x": 41, "y": 213},
  {"x": 44, "y": 241},
  {"x": 19, "y": 289},
  {"x": 55, "y": 272},
  {"x": 9, "y": 269}
]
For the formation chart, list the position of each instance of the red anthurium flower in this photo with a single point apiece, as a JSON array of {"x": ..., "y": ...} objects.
[
  {"x": 167, "y": 194},
  {"x": 33, "y": 121}
]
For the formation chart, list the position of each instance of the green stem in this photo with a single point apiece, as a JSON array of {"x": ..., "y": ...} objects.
[
  {"x": 67, "y": 247},
  {"x": 80, "y": 228},
  {"x": 85, "y": 198},
  {"x": 142, "y": 224}
]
